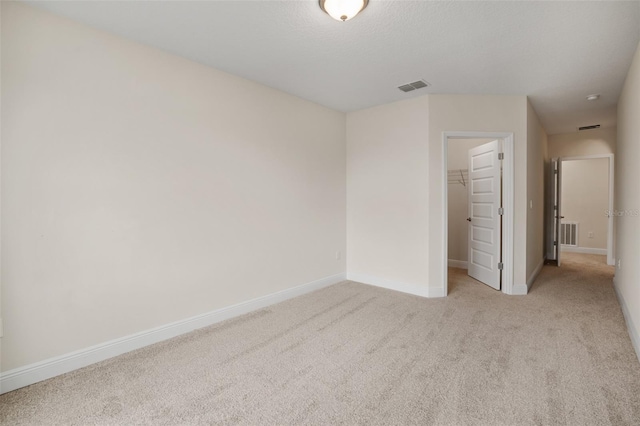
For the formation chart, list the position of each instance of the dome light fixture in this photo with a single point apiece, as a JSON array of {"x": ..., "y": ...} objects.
[
  {"x": 343, "y": 10},
  {"x": 593, "y": 97}
]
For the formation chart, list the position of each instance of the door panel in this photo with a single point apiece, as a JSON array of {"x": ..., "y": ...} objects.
[
  {"x": 484, "y": 220},
  {"x": 482, "y": 235}
]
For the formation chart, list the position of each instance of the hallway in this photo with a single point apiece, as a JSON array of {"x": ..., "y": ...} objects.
[{"x": 578, "y": 356}]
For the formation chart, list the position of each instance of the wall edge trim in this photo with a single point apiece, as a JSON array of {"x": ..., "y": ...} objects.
[
  {"x": 634, "y": 333},
  {"x": 523, "y": 289},
  {"x": 535, "y": 274}
]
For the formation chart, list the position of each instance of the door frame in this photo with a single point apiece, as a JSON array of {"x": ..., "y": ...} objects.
[
  {"x": 507, "y": 203},
  {"x": 610, "y": 254}
]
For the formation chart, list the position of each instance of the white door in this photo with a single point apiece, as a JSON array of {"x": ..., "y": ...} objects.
[
  {"x": 484, "y": 218},
  {"x": 557, "y": 210}
]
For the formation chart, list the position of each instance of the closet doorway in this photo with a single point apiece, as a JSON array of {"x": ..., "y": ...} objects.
[{"x": 478, "y": 200}]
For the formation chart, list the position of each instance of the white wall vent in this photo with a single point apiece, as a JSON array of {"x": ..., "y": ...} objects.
[
  {"x": 413, "y": 86},
  {"x": 569, "y": 234}
]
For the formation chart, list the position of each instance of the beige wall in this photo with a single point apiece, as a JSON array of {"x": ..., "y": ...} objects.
[
  {"x": 387, "y": 199},
  {"x": 139, "y": 188},
  {"x": 585, "y": 199},
  {"x": 586, "y": 142},
  {"x": 627, "y": 198},
  {"x": 479, "y": 113},
  {"x": 537, "y": 157},
  {"x": 458, "y": 198},
  {"x": 395, "y": 196},
  {"x": 143, "y": 184}
]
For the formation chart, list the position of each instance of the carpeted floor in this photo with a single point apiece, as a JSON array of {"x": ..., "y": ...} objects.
[{"x": 355, "y": 354}]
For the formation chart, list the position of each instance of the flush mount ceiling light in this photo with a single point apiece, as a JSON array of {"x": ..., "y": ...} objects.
[
  {"x": 343, "y": 10},
  {"x": 593, "y": 97}
]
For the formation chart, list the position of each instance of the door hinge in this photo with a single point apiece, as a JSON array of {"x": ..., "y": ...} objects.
[
  {"x": 555, "y": 207},
  {"x": 555, "y": 172},
  {"x": 500, "y": 266},
  {"x": 555, "y": 243},
  {"x": 500, "y": 211},
  {"x": 501, "y": 156}
]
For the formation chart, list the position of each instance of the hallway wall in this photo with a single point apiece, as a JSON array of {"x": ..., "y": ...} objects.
[
  {"x": 537, "y": 158},
  {"x": 585, "y": 199},
  {"x": 627, "y": 201},
  {"x": 586, "y": 142}
]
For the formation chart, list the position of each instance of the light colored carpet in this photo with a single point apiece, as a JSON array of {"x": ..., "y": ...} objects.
[{"x": 355, "y": 354}]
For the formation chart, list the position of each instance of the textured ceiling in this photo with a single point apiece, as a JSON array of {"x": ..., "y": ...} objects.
[{"x": 557, "y": 53}]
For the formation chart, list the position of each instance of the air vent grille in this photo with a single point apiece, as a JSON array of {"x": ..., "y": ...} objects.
[
  {"x": 595, "y": 126},
  {"x": 569, "y": 234},
  {"x": 413, "y": 86}
]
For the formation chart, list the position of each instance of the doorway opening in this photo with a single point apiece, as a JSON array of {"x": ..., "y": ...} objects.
[
  {"x": 487, "y": 214},
  {"x": 580, "y": 218}
]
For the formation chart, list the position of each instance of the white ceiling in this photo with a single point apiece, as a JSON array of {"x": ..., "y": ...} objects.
[{"x": 557, "y": 53}]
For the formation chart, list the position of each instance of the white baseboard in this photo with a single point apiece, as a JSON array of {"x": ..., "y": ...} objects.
[
  {"x": 30, "y": 374},
  {"x": 584, "y": 250},
  {"x": 434, "y": 292},
  {"x": 414, "y": 289},
  {"x": 457, "y": 263},
  {"x": 631, "y": 327},
  {"x": 521, "y": 290}
]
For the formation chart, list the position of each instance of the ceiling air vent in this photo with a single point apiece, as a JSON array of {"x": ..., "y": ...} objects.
[
  {"x": 595, "y": 126},
  {"x": 413, "y": 86}
]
